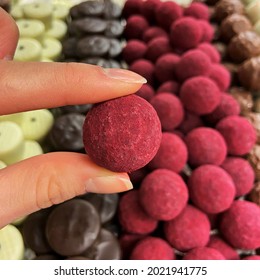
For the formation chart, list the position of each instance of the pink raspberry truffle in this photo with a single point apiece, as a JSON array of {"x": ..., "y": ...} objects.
[
  {"x": 190, "y": 122},
  {"x": 211, "y": 189},
  {"x": 225, "y": 249},
  {"x": 146, "y": 92},
  {"x": 242, "y": 174},
  {"x": 254, "y": 257},
  {"x": 228, "y": 106},
  {"x": 169, "y": 86},
  {"x": 148, "y": 9},
  {"x": 210, "y": 51},
  {"x": 197, "y": 10},
  {"x": 239, "y": 134},
  {"x": 153, "y": 32},
  {"x": 134, "y": 50},
  {"x": 157, "y": 47},
  {"x": 132, "y": 7},
  {"x": 203, "y": 253},
  {"x": 221, "y": 76},
  {"x": 122, "y": 134},
  {"x": 152, "y": 248},
  {"x": 193, "y": 63},
  {"x": 144, "y": 68},
  {"x": 132, "y": 217},
  {"x": 127, "y": 242},
  {"x": 167, "y": 13},
  {"x": 165, "y": 67},
  {"x": 240, "y": 225},
  {"x": 135, "y": 27},
  {"x": 172, "y": 154},
  {"x": 138, "y": 175},
  {"x": 207, "y": 31},
  {"x": 185, "y": 33},
  {"x": 190, "y": 229},
  {"x": 169, "y": 109},
  {"x": 163, "y": 194},
  {"x": 205, "y": 146},
  {"x": 200, "y": 95}
]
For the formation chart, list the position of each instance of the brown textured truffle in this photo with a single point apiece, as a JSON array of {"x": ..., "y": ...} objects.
[
  {"x": 254, "y": 159},
  {"x": 254, "y": 118},
  {"x": 234, "y": 25},
  {"x": 244, "y": 98},
  {"x": 255, "y": 194},
  {"x": 249, "y": 73},
  {"x": 256, "y": 107},
  {"x": 233, "y": 69},
  {"x": 225, "y": 8},
  {"x": 221, "y": 48},
  {"x": 243, "y": 46}
]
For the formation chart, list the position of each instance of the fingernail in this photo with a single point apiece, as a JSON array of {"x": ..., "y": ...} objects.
[
  {"x": 109, "y": 184},
  {"x": 124, "y": 75}
]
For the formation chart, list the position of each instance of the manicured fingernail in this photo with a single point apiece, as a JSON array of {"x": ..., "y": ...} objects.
[
  {"x": 109, "y": 184},
  {"x": 124, "y": 75}
]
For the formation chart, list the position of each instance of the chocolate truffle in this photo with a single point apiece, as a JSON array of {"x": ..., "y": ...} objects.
[
  {"x": 225, "y": 8},
  {"x": 254, "y": 195},
  {"x": 122, "y": 134},
  {"x": 244, "y": 99},
  {"x": 254, "y": 118},
  {"x": 254, "y": 159}
]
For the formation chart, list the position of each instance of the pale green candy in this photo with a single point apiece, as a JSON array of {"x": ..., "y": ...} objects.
[
  {"x": 19, "y": 221},
  {"x": 16, "y": 118},
  {"x": 31, "y": 149},
  {"x": 257, "y": 27},
  {"x": 51, "y": 48},
  {"x": 253, "y": 11},
  {"x": 60, "y": 11},
  {"x": 31, "y": 28},
  {"x": 2, "y": 164},
  {"x": 28, "y": 50},
  {"x": 58, "y": 30},
  {"x": 16, "y": 11}
]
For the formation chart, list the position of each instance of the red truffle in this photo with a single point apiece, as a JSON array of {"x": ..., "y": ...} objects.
[
  {"x": 146, "y": 92},
  {"x": 169, "y": 109},
  {"x": 210, "y": 51},
  {"x": 134, "y": 50},
  {"x": 163, "y": 194},
  {"x": 203, "y": 253},
  {"x": 240, "y": 225},
  {"x": 165, "y": 67},
  {"x": 171, "y": 155},
  {"x": 132, "y": 217},
  {"x": 190, "y": 122},
  {"x": 190, "y": 229},
  {"x": 152, "y": 248},
  {"x": 207, "y": 31},
  {"x": 228, "y": 106},
  {"x": 239, "y": 134},
  {"x": 200, "y": 95},
  {"x": 144, "y": 68},
  {"x": 185, "y": 33},
  {"x": 225, "y": 249},
  {"x": 167, "y": 13},
  {"x": 132, "y": 7},
  {"x": 169, "y": 86},
  {"x": 127, "y": 243},
  {"x": 148, "y": 9},
  {"x": 221, "y": 76},
  {"x": 205, "y": 146},
  {"x": 153, "y": 32},
  {"x": 254, "y": 257},
  {"x": 157, "y": 47},
  {"x": 138, "y": 175},
  {"x": 197, "y": 10},
  {"x": 193, "y": 63},
  {"x": 135, "y": 27},
  {"x": 242, "y": 174},
  {"x": 122, "y": 134},
  {"x": 211, "y": 189}
]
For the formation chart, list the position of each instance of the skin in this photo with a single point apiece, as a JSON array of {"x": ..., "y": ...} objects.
[{"x": 53, "y": 178}]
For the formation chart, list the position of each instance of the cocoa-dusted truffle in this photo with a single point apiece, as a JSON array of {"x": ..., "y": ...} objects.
[
  {"x": 249, "y": 73},
  {"x": 172, "y": 154},
  {"x": 122, "y": 134},
  {"x": 157, "y": 47},
  {"x": 207, "y": 31},
  {"x": 203, "y": 253},
  {"x": 193, "y": 63},
  {"x": 153, "y": 32},
  {"x": 244, "y": 99},
  {"x": 134, "y": 50},
  {"x": 254, "y": 159},
  {"x": 169, "y": 86},
  {"x": 144, "y": 68},
  {"x": 240, "y": 225},
  {"x": 221, "y": 48},
  {"x": 169, "y": 109},
  {"x": 243, "y": 46},
  {"x": 239, "y": 134},
  {"x": 185, "y": 33},
  {"x": 220, "y": 75},
  {"x": 163, "y": 194},
  {"x": 200, "y": 95},
  {"x": 205, "y": 146},
  {"x": 234, "y": 25},
  {"x": 197, "y": 10},
  {"x": 210, "y": 51},
  {"x": 135, "y": 27},
  {"x": 225, "y": 8},
  {"x": 146, "y": 92},
  {"x": 190, "y": 229},
  {"x": 254, "y": 195},
  {"x": 211, "y": 189}
]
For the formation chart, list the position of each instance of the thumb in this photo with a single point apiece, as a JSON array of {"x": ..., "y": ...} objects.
[{"x": 44, "y": 180}]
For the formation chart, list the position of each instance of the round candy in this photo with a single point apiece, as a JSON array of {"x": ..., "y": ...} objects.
[
  {"x": 203, "y": 253},
  {"x": 29, "y": 28},
  {"x": 28, "y": 50},
  {"x": 211, "y": 189},
  {"x": 252, "y": 11},
  {"x": 135, "y": 27},
  {"x": 31, "y": 149},
  {"x": 146, "y": 92},
  {"x": 190, "y": 122},
  {"x": 60, "y": 11},
  {"x": 134, "y": 50},
  {"x": 210, "y": 51},
  {"x": 152, "y": 248},
  {"x": 123, "y": 134},
  {"x": 220, "y": 75},
  {"x": 197, "y": 10},
  {"x": 51, "y": 48},
  {"x": 148, "y": 9},
  {"x": 224, "y": 8},
  {"x": 58, "y": 29},
  {"x": 72, "y": 227},
  {"x": 152, "y": 33},
  {"x": 163, "y": 194},
  {"x": 132, "y": 7},
  {"x": 2, "y": 165},
  {"x": 190, "y": 229},
  {"x": 91, "y": 8},
  {"x": 240, "y": 225},
  {"x": 128, "y": 242},
  {"x": 157, "y": 47},
  {"x": 254, "y": 257},
  {"x": 144, "y": 68},
  {"x": 169, "y": 86},
  {"x": 206, "y": 30}
]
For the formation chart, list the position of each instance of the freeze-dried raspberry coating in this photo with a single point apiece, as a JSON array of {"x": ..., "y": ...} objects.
[
  {"x": 207, "y": 31},
  {"x": 240, "y": 225},
  {"x": 190, "y": 229},
  {"x": 152, "y": 248},
  {"x": 211, "y": 189},
  {"x": 254, "y": 257},
  {"x": 210, "y": 51},
  {"x": 197, "y": 10},
  {"x": 122, "y": 134},
  {"x": 134, "y": 50},
  {"x": 132, "y": 217},
  {"x": 146, "y": 92},
  {"x": 190, "y": 122},
  {"x": 169, "y": 86},
  {"x": 135, "y": 27},
  {"x": 152, "y": 33},
  {"x": 205, "y": 146},
  {"x": 203, "y": 253},
  {"x": 220, "y": 75},
  {"x": 132, "y": 7},
  {"x": 163, "y": 194},
  {"x": 148, "y": 9},
  {"x": 127, "y": 242},
  {"x": 144, "y": 68}
]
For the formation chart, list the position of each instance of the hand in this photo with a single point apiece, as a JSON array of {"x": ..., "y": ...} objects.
[{"x": 42, "y": 181}]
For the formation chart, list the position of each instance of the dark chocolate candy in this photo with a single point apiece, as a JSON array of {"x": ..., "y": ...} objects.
[
  {"x": 77, "y": 258},
  {"x": 115, "y": 48},
  {"x": 66, "y": 133},
  {"x": 73, "y": 227},
  {"x": 244, "y": 98},
  {"x": 112, "y": 10},
  {"x": 106, "y": 63},
  {"x": 75, "y": 12},
  {"x": 81, "y": 109},
  {"x": 91, "y": 8},
  {"x": 48, "y": 257},
  {"x": 69, "y": 47},
  {"x": 114, "y": 28},
  {"x": 90, "y": 25}
]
